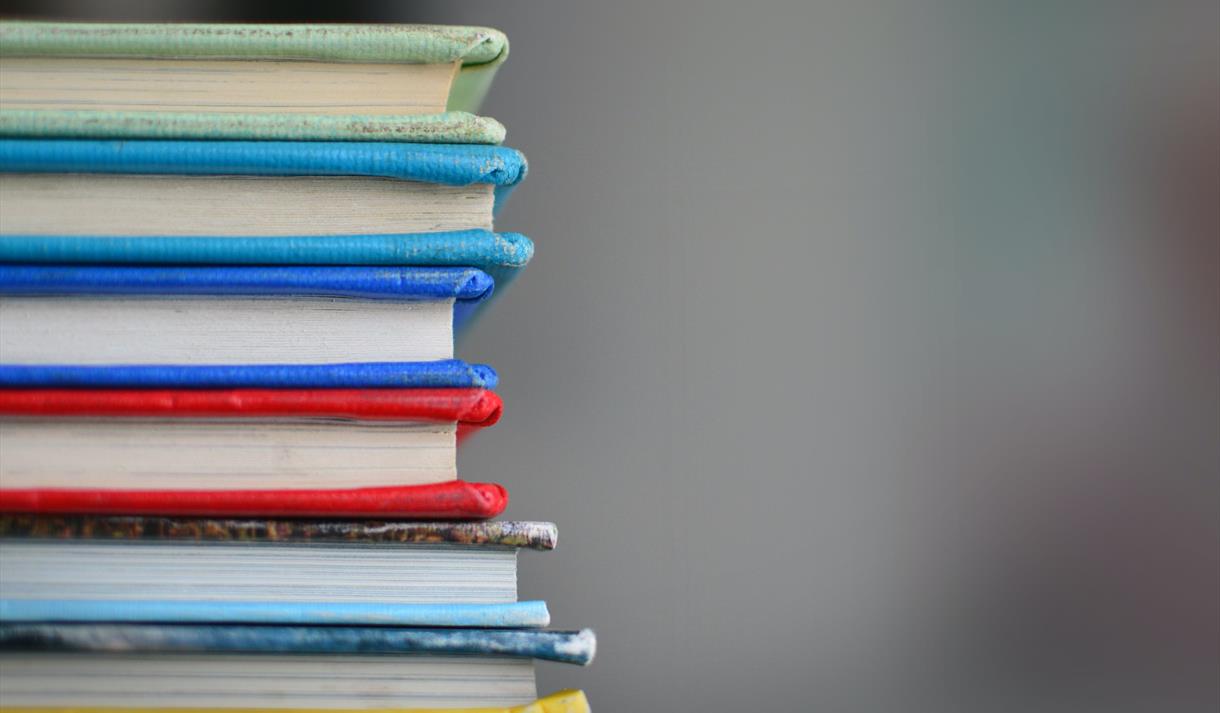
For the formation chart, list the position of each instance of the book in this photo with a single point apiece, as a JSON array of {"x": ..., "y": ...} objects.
[
  {"x": 244, "y": 315},
  {"x": 569, "y": 701},
  {"x": 440, "y": 374},
  {"x": 236, "y": 439},
  {"x": 275, "y": 666},
  {"x": 81, "y": 567},
  {"x": 204, "y": 81},
  {"x": 250, "y": 188}
]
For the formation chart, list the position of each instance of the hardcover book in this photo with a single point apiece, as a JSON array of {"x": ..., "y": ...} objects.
[
  {"x": 201, "y": 81},
  {"x": 81, "y": 568},
  {"x": 94, "y": 315},
  {"x": 234, "y": 439},
  {"x": 250, "y": 188},
  {"x": 175, "y": 665}
]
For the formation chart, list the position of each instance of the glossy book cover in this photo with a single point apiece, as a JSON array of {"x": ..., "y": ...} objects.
[{"x": 575, "y": 647}]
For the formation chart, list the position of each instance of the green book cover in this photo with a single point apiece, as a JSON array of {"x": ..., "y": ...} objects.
[{"x": 479, "y": 51}]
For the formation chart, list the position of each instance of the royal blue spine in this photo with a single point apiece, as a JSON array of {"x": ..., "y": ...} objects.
[
  {"x": 449, "y": 373},
  {"x": 377, "y": 283}
]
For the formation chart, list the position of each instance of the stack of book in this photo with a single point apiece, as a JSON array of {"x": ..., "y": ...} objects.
[{"x": 233, "y": 263}]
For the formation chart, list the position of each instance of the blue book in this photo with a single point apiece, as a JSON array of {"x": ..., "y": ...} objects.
[
  {"x": 575, "y": 647},
  {"x": 259, "y": 203},
  {"x": 445, "y": 373},
  {"x": 244, "y": 315},
  {"x": 511, "y": 615}
]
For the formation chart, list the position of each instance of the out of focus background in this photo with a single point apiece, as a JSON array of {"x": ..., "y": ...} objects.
[{"x": 870, "y": 358}]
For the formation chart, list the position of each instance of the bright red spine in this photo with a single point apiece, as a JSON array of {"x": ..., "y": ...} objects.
[{"x": 454, "y": 500}]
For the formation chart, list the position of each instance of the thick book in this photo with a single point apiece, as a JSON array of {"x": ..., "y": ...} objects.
[
  {"x": 441, "y": 374},
  {"x": 266, "y": 82},
  {"x": 244, "y": 315},
  {"x": 250, "y": 188},
  {"x": 569, "y": 701},
  {"x": 275, "y": 666},
  {"x": 235, "y": 439},
  {"x": 129, "y": 568}
]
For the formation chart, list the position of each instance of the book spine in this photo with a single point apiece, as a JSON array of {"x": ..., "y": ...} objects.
[
  {"x": 449, "y": 373},
  {"x": 147, "y": 611},
  {"x": 454, "y": 500},
  {"x": 577, "y": 647},
  {"x": 471, "y": 407},
  {"x": 123, "y": 528}
]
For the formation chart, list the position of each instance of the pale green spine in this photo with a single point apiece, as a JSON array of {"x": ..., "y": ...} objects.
[
  {"x": 414, "y": 44},
  {"x": 450, "y": 127}
]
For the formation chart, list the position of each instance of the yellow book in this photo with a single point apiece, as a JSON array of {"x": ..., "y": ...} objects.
[{"x": 561, "y": 702}]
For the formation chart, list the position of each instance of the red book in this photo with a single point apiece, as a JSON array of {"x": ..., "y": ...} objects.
[{"x": 244, "y": 452}]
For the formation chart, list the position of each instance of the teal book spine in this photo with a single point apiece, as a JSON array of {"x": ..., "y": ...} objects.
[{"x": 501, "y": 255}]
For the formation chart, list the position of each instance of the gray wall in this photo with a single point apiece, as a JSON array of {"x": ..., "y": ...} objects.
[{"x": 869, "y": 356}]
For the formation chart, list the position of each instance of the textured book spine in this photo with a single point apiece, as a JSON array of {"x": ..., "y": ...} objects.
[
  {"x": 372, "y": 283},
  {"x": 577, "y": 647},
  {"x": 413, "y": 44},
  {"x": 480, "y": 249},
  {"x": 470, "y": 407},
  {"x": 452, "y": 127},
  {"x": 519, "y": 535},
  {"x": 448, "y": 373},
  {"x": 454, "y": 500}
]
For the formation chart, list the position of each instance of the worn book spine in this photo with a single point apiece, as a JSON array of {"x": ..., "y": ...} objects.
[
  {"x": 482, "y": 249},
  {"x": 576, "y": 647},
  {"x": 203, "y": 611},
  {"x": 453, "y": 500},
  {"x": 519, "y": 535},
  {"x": 433, "y": 163},
  {"x": 452, "y": 127}
]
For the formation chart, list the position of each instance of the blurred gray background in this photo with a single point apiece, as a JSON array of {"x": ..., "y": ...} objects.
[{"x": 870, "y": 357}]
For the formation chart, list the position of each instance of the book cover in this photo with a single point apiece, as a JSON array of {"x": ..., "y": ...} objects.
[
  {"x": 206, "y": 611},
  {"x": 467, "y": 287},
  {"x": 448, "y": 164},
  {"x": 479, "y": 50},
  {"x": 575, "y": 647},
  {"x": 448, "y": 373},
  {"x": 452, "y": 500},
  {"x": 559, "y": 702},
  {"x": 501, "y": 255},
  {"x": 504, "y": 533},
  {"x": 470, "y": 408}
]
